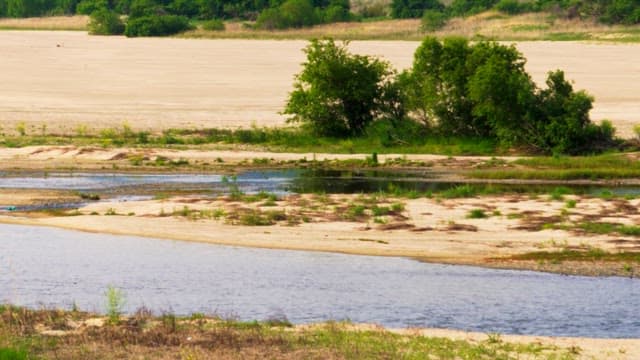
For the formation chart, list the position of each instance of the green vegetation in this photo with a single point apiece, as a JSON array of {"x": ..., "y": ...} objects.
[
  {"x": 605, "y": 11},
  {"x": 143, "y": 335},
  {"x": 454, "y": 89},
  {"x": 590, "y": 254},
  {"x": 609, "y": 166},
  {"x": 340, "y": 94},
  {"x": 105, "y": 22},
  {"x": 114, "y": 304},
  {"x": 477, "y": 214}
]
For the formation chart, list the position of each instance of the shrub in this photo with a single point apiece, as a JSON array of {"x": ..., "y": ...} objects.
[
  {"x": 290, "y": 14},
  {"x": 156, "y": 25},
  {"x": 105, "y": 22},
  {"x": 213, "y": 25},
  {"x": 513, "y": 6},
  {"x": 339, "y": 94},
  {"x": 433, "y": 20},
  {"x": 401, "y": 9},
  {"x": 87, "y": 7},
  {"x": 483, "y": 90}
]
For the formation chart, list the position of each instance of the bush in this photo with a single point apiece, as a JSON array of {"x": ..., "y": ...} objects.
[
  {"x": 484, "y": 90},
  {"x": 433, "y": 20},
  {"x": 470, "y": 7},
  {"x": 156, "y": 25},
  {"x": 290, "y": 14},
  {"x": 213, "y": 25},
  {"x": 513, "y": 7},
  {"x": 401, "y": 9},
  {"x": 105, "y": 22},
  {"x": 87, "y": 7},
  {"x": 339, "y": 94}
]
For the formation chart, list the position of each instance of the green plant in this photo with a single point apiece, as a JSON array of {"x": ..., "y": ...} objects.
[
  {"x": 114, "y": 304},
  {"x": 477, "y": 214},
  {"x": 111, "y": 212},
  {"x": 213, "y": 25},
  {"x": 570, "y": 204},
  {"x": 105, "y": 22}
]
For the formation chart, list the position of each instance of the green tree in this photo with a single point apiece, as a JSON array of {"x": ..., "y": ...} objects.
[
  {"x": 105, "y": 22},
  {"x": 483, "y": 90},
  {"x": 401, "y": 9},
  {"x": 87, "y": 7},
  {"x": 338, "y": 93}
]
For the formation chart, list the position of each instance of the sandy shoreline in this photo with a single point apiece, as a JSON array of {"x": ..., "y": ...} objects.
[{"x": 432, "y": 230}]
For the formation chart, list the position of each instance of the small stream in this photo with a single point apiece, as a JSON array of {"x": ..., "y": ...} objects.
[{"x": 50, "y": 267}]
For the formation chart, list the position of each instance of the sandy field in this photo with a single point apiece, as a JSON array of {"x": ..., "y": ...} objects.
[{"x": 66, "y": 80}]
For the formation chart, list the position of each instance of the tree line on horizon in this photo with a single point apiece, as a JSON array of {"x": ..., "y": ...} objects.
[{"x": 280, "y": 14}]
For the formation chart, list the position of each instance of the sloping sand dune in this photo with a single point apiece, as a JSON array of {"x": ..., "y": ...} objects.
[{"x": 68, "y": 80}]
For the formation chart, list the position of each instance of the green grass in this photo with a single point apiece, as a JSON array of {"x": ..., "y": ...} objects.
[
  {"x": 616, "y": 166},
  {"x": 273, "y": 139},
  {"x": 592, "y": 254}
]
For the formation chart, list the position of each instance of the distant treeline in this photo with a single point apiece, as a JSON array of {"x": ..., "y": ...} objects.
[
  {"x": 196, "y": 9},
  {"x": 606, "y": 11}
]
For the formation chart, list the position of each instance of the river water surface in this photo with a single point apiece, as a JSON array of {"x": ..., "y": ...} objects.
[{"x": 54, "y": 267}]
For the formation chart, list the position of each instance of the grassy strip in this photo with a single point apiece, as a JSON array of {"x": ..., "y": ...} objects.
[
  {"x": 565, "y": 168},
  {"x": 273, "y": 139},
  {"x": 197, "y": 336},
  {"x": 556, "y": 174},
  {"x": 592, "y": 254}
]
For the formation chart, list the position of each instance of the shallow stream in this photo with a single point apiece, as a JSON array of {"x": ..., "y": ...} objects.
[{"x": 42, "y": 266}]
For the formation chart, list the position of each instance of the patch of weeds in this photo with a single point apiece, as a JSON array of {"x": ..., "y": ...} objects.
[
  {"x": 558, "y": 193},
  {"x": 380, "y": 210},
  {"x": 111, "y": 212},
  {"x": 397, "y": 207},
  {"x": 570, "y": 204},
  {"x": 460, "y": 191},
  {"x": 477, "y": 214},
  {"x": 114, "y": 304}
]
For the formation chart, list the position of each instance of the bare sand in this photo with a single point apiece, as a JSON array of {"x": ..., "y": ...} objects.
[{"x": 66, "y": 80}]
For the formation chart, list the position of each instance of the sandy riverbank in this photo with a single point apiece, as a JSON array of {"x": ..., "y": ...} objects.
[{"x": 434, "y": 230}]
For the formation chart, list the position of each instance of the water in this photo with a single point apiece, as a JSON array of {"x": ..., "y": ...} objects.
[
  {"x": 53, "y": 267},
  {"x": 276, "y": 181}
]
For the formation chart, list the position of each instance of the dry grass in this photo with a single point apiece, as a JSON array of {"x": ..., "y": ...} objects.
[
  {"x": 406, "y": 29},
  {"x": 77, "y": 22}
]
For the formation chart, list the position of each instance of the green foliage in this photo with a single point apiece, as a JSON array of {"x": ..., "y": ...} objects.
[
  {"x": 401, "y": 9},
  {"x": 469, "y": 7},
  {"x": 340, "y": 94},
  {"x": 484, "y": 90},
  {"x": 13, "y": 354},
  {"x": 156, "y": 25},
  {"x": 290, "y": 14},
  {"x": 114, "y": 304},
  {"x": 213, "y": 25},
  {"x": 433, "y": 20},
  {"x": 105, "y": 22},
  {"x": 87, "y": 7},
  {"x": 513, "y": 7},
  {"x": 477, "y": 214}
]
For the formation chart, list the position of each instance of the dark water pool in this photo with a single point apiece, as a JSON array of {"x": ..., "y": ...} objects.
[{"x": 53, "y": 267}]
